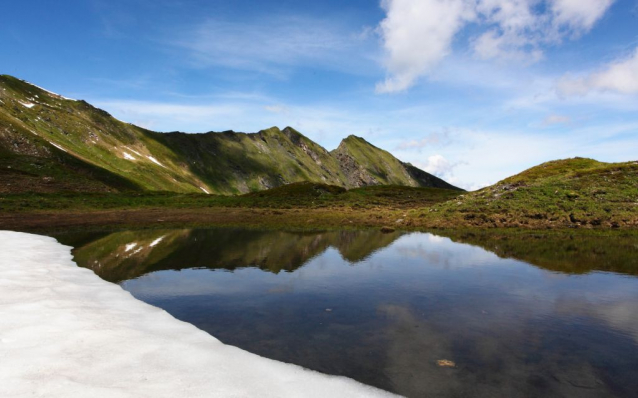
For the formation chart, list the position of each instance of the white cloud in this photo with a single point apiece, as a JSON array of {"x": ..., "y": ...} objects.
[
  {"x": 439, "y": 166},
  {"x": 580, "y": 15},
  {"x": 512, "y": 27},
  {"x": 620, "y": 76},
  {"x": 418, "y": 34}
]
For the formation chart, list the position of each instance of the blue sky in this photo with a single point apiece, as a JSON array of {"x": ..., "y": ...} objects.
[{"x": 470, "y": 90}]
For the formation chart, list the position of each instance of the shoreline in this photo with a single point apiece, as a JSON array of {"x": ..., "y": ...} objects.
[{"x": 66, "y": 332}]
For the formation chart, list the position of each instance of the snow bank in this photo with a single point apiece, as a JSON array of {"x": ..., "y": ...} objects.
[
  {"x": 152, "y": 159},
  {"x": 64, "y": 332},
  {"x": 26, "y": 104},
  {"x": 134, "y": 151},
  {"x": 156, "y": 241}
]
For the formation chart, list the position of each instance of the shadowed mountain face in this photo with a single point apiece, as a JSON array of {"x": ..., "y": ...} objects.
[
  {"x": 49, "y": 143},
  {"x": 130, "y": 254}
]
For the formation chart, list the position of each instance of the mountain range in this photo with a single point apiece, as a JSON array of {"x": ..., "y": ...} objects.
[{"x": 49, "y": 143}]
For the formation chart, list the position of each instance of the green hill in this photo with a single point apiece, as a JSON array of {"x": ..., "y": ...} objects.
[
  {"x": 50, "y": 144},
  {"x": 563, "y": 193}
]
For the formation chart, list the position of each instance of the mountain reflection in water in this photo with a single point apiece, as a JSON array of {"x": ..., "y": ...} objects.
[{"x": 517, "y": 315}]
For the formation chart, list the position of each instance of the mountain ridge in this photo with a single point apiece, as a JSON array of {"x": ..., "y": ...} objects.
[{"x": 72, "y": 143}]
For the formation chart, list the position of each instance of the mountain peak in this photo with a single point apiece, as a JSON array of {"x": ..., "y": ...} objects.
[{"x": 35, "y": 122}]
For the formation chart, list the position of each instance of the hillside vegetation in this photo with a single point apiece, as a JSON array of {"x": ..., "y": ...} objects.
[
  {"x": 302, "y": 195},
  {"x": 564, "y": 193},
  {"x": 52, "y": 144}
]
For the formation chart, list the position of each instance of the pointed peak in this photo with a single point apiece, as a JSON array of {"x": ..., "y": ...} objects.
[
  {"x": 269, "y": 131},
  {"x": 289, "y": 129},
  {"x": 354, "y": 140},
  {"x": 293, "y": 135}
]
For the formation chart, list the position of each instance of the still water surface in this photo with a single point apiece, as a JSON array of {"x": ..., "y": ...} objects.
[{"x": 386, "y": 309}]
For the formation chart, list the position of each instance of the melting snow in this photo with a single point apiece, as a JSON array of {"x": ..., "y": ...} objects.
[
  {"x": 130, "y": 246},
  {"x": 134, "y": 151},
  {"x": 152, "y": 159},
  {"x": 68, "y": 333},
  {"x": 156, "y": 241},
  {"x": 204, "y": 189},
  {"x": 127, "y": 156},
  {"x": 26, "y": 104}
]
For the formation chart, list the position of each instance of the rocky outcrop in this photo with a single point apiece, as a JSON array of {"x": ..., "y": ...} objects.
[{"x": 356, "y": 174}]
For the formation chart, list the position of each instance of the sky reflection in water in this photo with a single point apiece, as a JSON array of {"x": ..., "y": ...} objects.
[{"x": 384, "y": 308}]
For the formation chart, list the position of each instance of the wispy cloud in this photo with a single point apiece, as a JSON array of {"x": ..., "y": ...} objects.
[
  {"x": 619, "y": 76},
  {"x": 273, "y": 45},
  {"x": 430, "y": 140},
  {"x": 440, "y": 166}
]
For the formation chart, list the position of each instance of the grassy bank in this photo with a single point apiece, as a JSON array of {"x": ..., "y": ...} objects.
[
  {"x": 567, "y": 194},
  {"x": 299, "y": 195}
]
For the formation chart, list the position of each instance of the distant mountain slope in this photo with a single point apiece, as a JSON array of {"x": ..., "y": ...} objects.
[
  {"x": 232, "y": 162},
  {"x": 51, "y": 143},
  {"x": 365, "y": 164}
]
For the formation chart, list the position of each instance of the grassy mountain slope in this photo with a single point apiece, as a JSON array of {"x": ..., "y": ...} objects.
[
  {"x": 38, "y": 123},
  {"x": 564, "y": 193},
  {"x": 364, "y": 164},
  {"x": 109, "y": 155},
  {"x": 232, "y": 162}
]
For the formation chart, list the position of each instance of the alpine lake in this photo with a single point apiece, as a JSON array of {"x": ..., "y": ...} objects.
[{"x": 417, "y": 314}]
